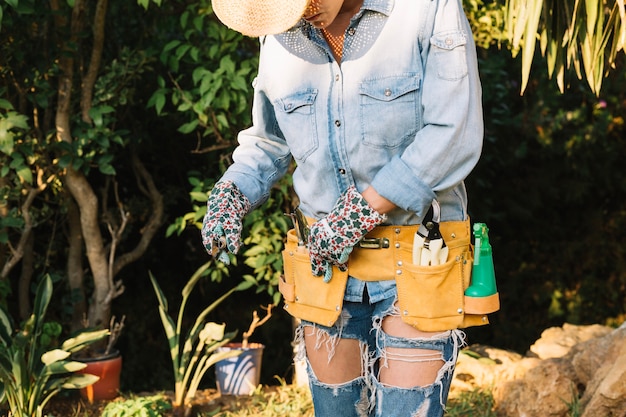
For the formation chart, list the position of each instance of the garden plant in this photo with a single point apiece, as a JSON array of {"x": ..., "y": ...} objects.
[
  {"x": 193, "y": 352},
  {"x": 31, "y": 373}
]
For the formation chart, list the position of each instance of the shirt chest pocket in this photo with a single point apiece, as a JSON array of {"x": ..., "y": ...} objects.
[
  {"x": 449, "y": 55},
  {"x": 389, "y": 110},
  {"x": 295, "y": 115}
]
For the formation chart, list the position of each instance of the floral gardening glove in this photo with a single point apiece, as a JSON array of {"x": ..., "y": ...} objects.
[
  {"x": 221, "y": 228},
  {"x": 332, "y": 238}
]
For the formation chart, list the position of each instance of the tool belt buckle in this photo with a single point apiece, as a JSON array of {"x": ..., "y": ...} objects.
[{"x": 374, "y": 243}]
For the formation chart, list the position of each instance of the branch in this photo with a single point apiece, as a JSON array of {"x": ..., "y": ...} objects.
[
  {"x": 115, "y": 329},
  {"x": 94, "y": 63},
  {"x": 115, "y": 288},
  {"x": 154, "y": 221},
  {"x": 18, "y": 252},
  {"x": 256, "y": 322}
]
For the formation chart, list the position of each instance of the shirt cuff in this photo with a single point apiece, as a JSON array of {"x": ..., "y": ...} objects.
[{"x": 397, "y": 183}]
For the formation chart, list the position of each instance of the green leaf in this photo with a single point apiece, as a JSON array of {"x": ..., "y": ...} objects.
[
  {"x": 6, "y": 141},
  {"x": 159, "y": 293},
  {"x": 181, "y": 51},
  {"x": 171, "y": 45},
  {"x": 42, "y": 300},
  {"x": 530, "y": 33},
  {"x": 54, "y": 355},
  {"x": 199, "y": 273},
  {"x": 64, "y": 367},
  {"x": 255, "y": 251},
  {"x": 64, "y": 161},
  {"x": 84, "y": 339},
  {"x": 188, "y": 127},
  {"x": 78, "y": 381},
  {"x": 107, "y": 169},
  {"x": 198, "y": 196},
  {"x": 25, "y": 174},
  {"x": 6, "y": 330}
]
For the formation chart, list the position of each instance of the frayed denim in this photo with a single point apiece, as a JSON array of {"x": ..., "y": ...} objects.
[{"x": 366, "y": 396}]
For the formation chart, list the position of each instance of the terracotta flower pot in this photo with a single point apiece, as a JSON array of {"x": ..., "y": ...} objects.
[
  {"x": 108, "y": 368},
  {"x": 239, "y": 375}
]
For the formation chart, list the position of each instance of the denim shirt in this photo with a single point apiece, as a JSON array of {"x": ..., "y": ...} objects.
[{"x": 402, "y": 112}]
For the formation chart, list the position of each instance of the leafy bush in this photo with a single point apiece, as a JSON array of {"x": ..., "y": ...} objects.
[{"x": 152, "y": 406}]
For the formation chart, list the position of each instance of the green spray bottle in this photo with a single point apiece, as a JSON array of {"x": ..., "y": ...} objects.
[{"x": 482, "y": 297}]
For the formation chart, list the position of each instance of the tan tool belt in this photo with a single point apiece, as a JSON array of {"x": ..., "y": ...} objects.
[{"x": 430, "y": 298}]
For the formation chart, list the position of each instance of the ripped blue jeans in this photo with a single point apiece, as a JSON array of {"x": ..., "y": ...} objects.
[{"x": 366, "y": 395}]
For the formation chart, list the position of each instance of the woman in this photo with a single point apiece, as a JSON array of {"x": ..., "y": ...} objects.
[{"x": 379, "y": 103}]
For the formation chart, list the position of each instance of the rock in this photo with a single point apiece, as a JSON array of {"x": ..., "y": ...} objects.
[
  {"x": 605, "y": 394},
  {"x": 543, "y": 392},
  {"x": 573, "y": 370},
  {"x": 556, "y": 342},
  {"x": 488, "y": 368}
]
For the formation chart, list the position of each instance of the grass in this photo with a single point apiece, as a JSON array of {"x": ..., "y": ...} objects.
[
  {"x": 292, "y": 401},
  {"x": 475, "y": 403},
  {"x": 284, "y": 400}
]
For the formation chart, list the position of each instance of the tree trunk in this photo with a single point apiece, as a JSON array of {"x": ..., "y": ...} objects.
[
  {"x": 100, "y": 308},
  {"x": 75, "y": 274}
]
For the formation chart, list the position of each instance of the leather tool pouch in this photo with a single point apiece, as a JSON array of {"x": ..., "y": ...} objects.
[
  {"x": 307, "y": 296},
  {"x": 431, "y": 298}
]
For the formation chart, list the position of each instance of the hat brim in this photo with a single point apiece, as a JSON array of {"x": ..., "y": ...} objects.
[{"x": 259, "y": 17}]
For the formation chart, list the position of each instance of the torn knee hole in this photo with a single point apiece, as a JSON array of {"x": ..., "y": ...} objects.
[{"x": 412, "y": 355}]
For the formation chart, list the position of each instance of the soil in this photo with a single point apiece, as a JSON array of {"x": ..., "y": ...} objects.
[{"x": 205, "y": 402}]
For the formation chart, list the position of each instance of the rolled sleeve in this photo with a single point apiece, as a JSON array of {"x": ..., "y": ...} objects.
[
  {"x": 262, "y": 156},
  {"x": 449, "y": 145}
]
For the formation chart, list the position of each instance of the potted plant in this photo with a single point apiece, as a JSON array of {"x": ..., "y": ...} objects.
[
  {"x": 31, "y": 373},
  {"x": 240, "y": 375},
  {"x": 106, "y": 364}
]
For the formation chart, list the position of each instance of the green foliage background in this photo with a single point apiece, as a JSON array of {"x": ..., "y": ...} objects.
[{"x": 175, "y": 86}]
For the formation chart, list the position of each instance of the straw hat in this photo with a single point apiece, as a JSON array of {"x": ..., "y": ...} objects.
[{"x": 259, "y": 17}]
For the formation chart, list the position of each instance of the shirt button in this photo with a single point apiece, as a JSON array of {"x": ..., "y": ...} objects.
[
  {"x": 449, "y": 41},
  {"x": 337, "y": 77},
  {"x": 351, "y": 31},
  {"x": 337, "y": 123},
  {"x": 387, "y": 92},
  {"x": 342, "y": 171}
]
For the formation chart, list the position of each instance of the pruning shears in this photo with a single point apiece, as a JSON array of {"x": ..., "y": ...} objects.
[{"x": 429, "y": 247}]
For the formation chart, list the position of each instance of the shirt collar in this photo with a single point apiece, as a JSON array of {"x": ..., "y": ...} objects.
[{"x": 381, "y": 6}]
